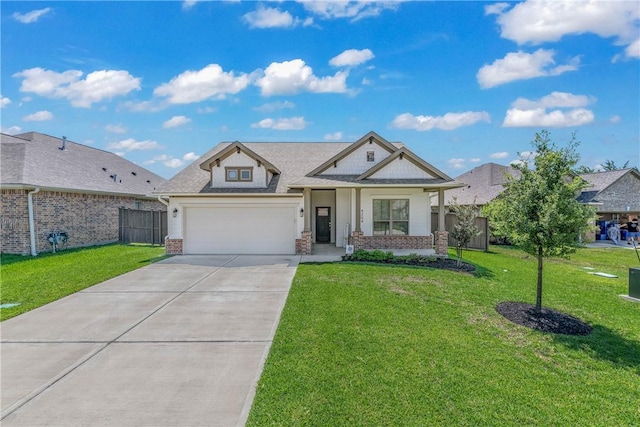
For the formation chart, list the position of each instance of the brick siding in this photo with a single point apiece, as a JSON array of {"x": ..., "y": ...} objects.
[
  {"x": 360, "y": 241},
  {"x": 88, "y": 219}
]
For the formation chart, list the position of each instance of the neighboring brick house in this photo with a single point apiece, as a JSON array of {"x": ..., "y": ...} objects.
[
  {"x": 284, "y": 197},
  {"x": 482, "y": 184},
  {"x": 73, "y": 188},
  {"x": 614, "y": 194}
]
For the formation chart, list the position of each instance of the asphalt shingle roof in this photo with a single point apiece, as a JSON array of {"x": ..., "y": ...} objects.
[
  {"x": 294, "y": 159},
  {"x": 35, "y": 159},
  {"x": 482, "y": 184}
]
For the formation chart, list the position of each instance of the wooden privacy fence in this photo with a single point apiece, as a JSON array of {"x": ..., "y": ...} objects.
[
  {"x": 138, "y": 226},
  {"x": 480, "y": 242}
]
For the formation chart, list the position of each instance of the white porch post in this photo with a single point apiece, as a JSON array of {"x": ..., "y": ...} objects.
[
  {"x": 441, "y": 212},
  {"x": 307, "y": 209},
  {"x": 442, "y": 236},
  {"x": 358, "y": 226}
]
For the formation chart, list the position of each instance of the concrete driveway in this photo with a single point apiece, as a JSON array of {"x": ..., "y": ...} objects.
[{"x": 177, "y": 343}]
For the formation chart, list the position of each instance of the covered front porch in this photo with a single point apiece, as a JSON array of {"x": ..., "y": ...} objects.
[{"x": 335, "y": 218}]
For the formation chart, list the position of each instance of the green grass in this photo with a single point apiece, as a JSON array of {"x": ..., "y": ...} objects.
[
  {"x": 35, "y": 281},
  {"x": 372, "y": 345}
]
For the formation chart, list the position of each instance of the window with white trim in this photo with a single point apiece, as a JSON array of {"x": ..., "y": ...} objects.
[{"x": 391, "y": 217}]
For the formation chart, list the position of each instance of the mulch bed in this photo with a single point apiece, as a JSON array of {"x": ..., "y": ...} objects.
[
  {"x": 443, "y": 263},
  {"x": 547, "y": 320}
]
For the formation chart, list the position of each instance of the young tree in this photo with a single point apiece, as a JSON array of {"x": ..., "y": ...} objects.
[
  {"x": 465, "y": 227},
  {"x": 539, "y": 211}
]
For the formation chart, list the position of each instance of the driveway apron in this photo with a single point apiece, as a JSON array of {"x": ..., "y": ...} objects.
[{"x": 178, "y": 343}]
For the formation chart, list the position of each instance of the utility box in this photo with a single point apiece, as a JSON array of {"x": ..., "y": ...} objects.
[{"x": 634, "y": 282}]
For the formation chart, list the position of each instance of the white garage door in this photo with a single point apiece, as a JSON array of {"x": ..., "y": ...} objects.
[{"x": 239, "y": 230}]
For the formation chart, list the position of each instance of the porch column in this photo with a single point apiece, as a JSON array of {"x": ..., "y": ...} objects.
[
  {"x": 441, "y": 236},
  {"x": 441, "y": 212},
  {"x": 307, "y": 209},
  {"x": 356, "y": 234},
  {"x": 358, "y": 226}
]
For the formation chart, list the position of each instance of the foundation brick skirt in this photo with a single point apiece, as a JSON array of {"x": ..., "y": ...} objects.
[{"x": 360, "y": 241}]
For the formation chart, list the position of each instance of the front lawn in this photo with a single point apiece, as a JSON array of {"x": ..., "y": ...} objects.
[
  {"x": 35, "y": 281},
  {"x": 373, "y": 345}
]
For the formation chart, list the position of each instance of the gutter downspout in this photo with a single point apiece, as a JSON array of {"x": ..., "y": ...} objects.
[
  {"x": 32, "y": 227},
  {"x": 163, "y": 201}
]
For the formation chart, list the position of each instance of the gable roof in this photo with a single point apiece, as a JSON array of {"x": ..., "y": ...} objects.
[
  {"x": 294, "y": 160},
  {"x": 400, "y": 154},
  {"x": 36, "y": 160},
  {"x": 481, "y": 184},
  {"x": 236, "y": 147},
  {"x": 600, "y": 181},
  {"x": 371, "y": 137}
]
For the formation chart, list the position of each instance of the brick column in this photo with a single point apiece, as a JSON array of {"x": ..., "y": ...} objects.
[
  {"x": 303, "y": 245},
  {"x": 442, "y": 243},
  {"x": 172, "y": 246},
  {"x": 356, "y": 240}
]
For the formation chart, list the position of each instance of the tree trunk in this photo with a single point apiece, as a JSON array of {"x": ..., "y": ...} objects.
[{"x": 539, "y": 289}]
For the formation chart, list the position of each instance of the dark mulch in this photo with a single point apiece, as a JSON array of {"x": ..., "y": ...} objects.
[
  {"x": 547, "y": 320},
  {"x": 443, "y": 263}
]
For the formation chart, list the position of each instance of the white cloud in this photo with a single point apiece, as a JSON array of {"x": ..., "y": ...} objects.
[
  {"x": 11, "y": 130},
  {"x": 539, "y": 21},
  {"x": 449, "y": 121},
  {"x": 115, "y": 128},
  {"x": 335, "y": 136},
  {"x": 39, "y": 116},
  {"x": 539, "y": 117},
  {"x": 500, "y": 155},
  {"x": 353, "y": 10},
  {"x": 293, "y": 123},
  {"x": 271, "y": 107},
  {"x": 206, "y": 110},
  {"x": 172, "y": 162},
  {"x": 456, "y": 163},
  {"x": 614, "y": 119},
  {"x": 475, "y": 160},
  {"x": 176, "y": 121},
  {"x": 291, "y": 77},
  {"x": 633, "y": 50},
  {"x": 521, "y": 66},
  {"x": 96, "y": 87},
  {"x": 131, "y": 144},
  {"x": 189, "y": 157},
  {"x": 270, "y": 17},
  {"x": 495, "y": 9},
  {"x": 351, "y": 58},
  {"x": 555, "y": 99},
  {"x": 528, "y": 113},
  {"x": 195, "y": 86},
  {"x": 188, "y": 4},
  {"x": 151, "y": 106},
  {"x": 4, "y": 101},
  {"x": 31, "y": 17}
]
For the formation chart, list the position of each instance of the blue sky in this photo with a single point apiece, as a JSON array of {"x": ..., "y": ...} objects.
[{"x": 461, "y": 83}]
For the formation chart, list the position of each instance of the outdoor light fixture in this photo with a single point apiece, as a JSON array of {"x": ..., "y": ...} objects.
[
  {"x": 301, "y": 212},
  {"x": 175, "y": 212}
]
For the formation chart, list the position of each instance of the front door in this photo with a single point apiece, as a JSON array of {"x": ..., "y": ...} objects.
[{"x": 323, "y": 225}]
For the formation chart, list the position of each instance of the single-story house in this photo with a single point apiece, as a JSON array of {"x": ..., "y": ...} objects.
[
  {"x": 50, "y": 185},
  {"x": 482, "y": 184},
  {"x": 283, "y": 197},
  {"x": 614, "y": 194}
]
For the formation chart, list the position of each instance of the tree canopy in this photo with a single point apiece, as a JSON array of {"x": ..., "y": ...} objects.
[{"x": 539, "y": 212}]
